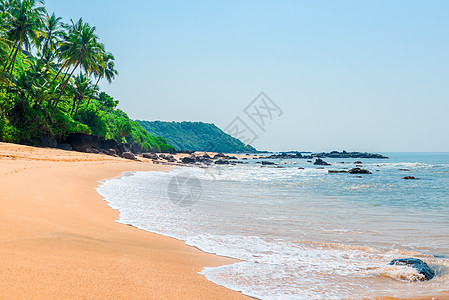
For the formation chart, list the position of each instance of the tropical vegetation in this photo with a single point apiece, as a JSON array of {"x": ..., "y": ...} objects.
[
  {"x": 49, "y": 81},
  {"x": 196, "y": 136}
]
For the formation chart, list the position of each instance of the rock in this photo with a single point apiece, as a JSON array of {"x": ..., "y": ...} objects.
[
  {"x": 358, "y": 166},
  {"x": 300, "y": 168},
  {"x": 320, "y": 162},
  {"x": 92, "y": 150},
  {"x": 81, "y": 141},
  {"x": 267, "y": 163},
  {"x": 338, "y": 171},
  {"x": 222, "y": 162},
  {"x": 410, "y": 178},
  {"x": 219, "y": 155},
  {"x": 418, "y": 264},
  {"x": 66, "y": 147},
  {"x": 150, "y": 156},
  {"x": 206, "y": 156},
  {"x": 358, "y": 162},
  {"x": 189, "y": 159},
  {"x": 359, "y": 171},
  {"x": 320, "y": 168},
  {"x": 407, "y": 170},
  {"x": 47, "y": 141},
  {"x": 112, "y": 151},
  {"x": 128, "y": 155}
]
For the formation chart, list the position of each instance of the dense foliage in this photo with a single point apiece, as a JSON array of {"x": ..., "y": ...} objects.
[
  {"x": 196, "y": 136},
  {"x": 46, "y": 81}
]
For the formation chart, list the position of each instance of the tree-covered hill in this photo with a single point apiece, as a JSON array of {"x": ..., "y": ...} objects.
[
  {"x": 196, "y": 136},
  {"x": 49, "y": 76}
]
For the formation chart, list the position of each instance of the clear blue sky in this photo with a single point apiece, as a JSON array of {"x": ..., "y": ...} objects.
[{"x": 354, "y": 75}]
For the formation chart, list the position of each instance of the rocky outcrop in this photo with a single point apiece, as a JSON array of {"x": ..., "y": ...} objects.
[
  {"x": 81, "y": 142},
  {"x": 410, "y": 178},
  {"x": 423, "y": 268},
  {"x": 320, "y": 162},
  {"x": 189, "y": 159},
  {"x": 268, "y": 163},
  {"x": 337, "y": 171},
  {"x": 344, "y": 154},
  {"x": 222, "y": 162},
  {"x": 359, "y": 171}
]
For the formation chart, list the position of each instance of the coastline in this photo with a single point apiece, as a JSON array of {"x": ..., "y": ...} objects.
[{"x": 60, "y": 239}]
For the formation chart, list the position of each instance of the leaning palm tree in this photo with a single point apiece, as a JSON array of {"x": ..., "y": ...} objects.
[
  {"x": 25, "y": 21},
  {"x": 106, "y": 70},
  {"x": 79, "y": 47}
]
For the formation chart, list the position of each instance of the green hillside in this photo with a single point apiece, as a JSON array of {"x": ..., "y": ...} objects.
[{"x": 196, "y": 136}]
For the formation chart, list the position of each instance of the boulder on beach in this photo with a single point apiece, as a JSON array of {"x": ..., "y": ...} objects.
[
  {"x": 423, "y": 268},
  {"x": 189, "y": 159},
  {"x": 150, "y": 155},
  {"x": 359, "y": 171},
  {"x": 128, "y": 155}
]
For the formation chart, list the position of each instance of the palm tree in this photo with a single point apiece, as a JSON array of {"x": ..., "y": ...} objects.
[
  {"x": 80, "y": 89},
  {"x": 52, "y": 29},
  {"x": 106, "y": 70},
  {"x": 25, "y": 21},
  {"x": 79, "y": 47}
]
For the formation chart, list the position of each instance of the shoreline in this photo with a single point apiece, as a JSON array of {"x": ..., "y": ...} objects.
[{"x": 60, "y": 239}]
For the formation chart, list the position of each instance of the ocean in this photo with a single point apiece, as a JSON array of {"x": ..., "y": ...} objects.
[{"x": 298, "y": 231}]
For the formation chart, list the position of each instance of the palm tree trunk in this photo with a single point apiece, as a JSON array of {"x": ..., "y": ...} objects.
[
  {"x": 96, "y": 85},
  {"x": 73, "y": 106},
  {"x": 9, "y": 57},
  {"x": 40, "y": 60},
  {"x": 13, "y": 62},
  {"x": 63, "y": 87},
  {"x": 63, "y": 67}
]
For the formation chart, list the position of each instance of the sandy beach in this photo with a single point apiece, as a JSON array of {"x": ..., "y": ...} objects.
[{"x": 60, "y": 240}]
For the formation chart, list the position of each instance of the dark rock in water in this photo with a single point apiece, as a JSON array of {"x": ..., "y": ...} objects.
[
  {"x": 344, "y": 154},
  {"x": 358, "y": 166},
  {"x": 222, "y": 162},
  {"x": 266, "y": 163},
  {"x": 407, "y": 170},
  {"x": 358, "y": 162},
  {"x": 359, "y": 171},
  {"x": 300, "y": 168},
  {"x": 359, "y": 177},
  {"x": 418, "y": 264},
  {"x": 338, "y": 171},
  {"x": 189, "y": 159},
  {"x": 410, "y": 178},
  {"x": 320, "y": 162},
  {"x": 66, "y": 147},
  {"x": 150, "y": 155},
  {"x": 309, "y": 161},
  {"x": 320, "y": 168},
  {"x": 128, "y": 155}
]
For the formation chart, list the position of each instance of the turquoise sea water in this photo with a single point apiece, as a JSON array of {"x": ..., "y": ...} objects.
[{"x": 301, "y": 232}]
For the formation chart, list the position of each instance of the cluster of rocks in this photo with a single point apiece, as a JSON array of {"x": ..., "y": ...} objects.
[
  {"x": 333, "y": 154},
  {"x": 344, "y": 154},
  {"x": 206, "y": 159}
]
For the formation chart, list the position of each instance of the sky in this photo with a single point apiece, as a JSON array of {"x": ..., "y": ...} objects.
[{"x": 353, "y": 75}]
